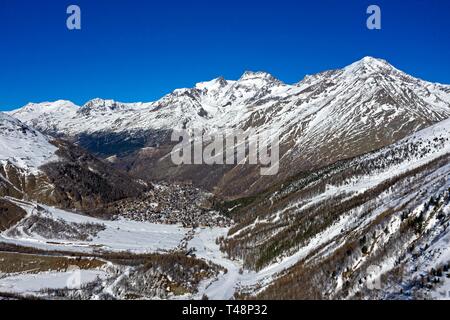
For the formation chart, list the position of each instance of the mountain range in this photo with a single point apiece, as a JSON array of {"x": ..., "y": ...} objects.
[
  {"x": 327, "y": 117},
  {"x": 360, "y": 207}
]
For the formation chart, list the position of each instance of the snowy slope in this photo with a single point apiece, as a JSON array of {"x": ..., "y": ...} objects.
[
  {"x": 357, "y": 219},
  {"x": 23, "y": 146}
]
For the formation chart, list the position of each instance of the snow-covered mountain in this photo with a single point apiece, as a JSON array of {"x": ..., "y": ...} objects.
[
  {"x": 36, "y": 166},
  {"x": 356, "y": 91},
  {"x": 325, "y": 117},
  {"x": 23, "y": 146},
  {"x": 23, "y": 151}
]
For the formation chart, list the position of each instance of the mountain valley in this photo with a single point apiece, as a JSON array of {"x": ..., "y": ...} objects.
[{"x": 360, "y": 207}]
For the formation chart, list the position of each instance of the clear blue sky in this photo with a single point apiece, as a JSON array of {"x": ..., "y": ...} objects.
[{"x": 138, "y": 50}]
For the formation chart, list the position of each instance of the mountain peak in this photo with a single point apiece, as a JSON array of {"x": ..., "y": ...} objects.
[
  {"x": 100, "y": 105},
  {"x": 214, "y": 84},
  {"x": 97, "y": 102},
  {"x": 55, "y": 104},
  {"x": 368, "y": 66},
  {"x": 371, "y": 63},
  {"x": 372, "y": 60},
  {"x": 31, "y": 110},
  {"x": 250, "y": 75}
]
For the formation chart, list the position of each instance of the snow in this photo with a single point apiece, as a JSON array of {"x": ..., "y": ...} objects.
[
  {"x": 31, "y": 111},
  {"x": 24, "y": 147},
  {"x": 206, "y": 248},
  {"x": 442, "y": 292},
  {"x": 236, "y": 278},
  {"x": 119, "y": 235},
  {"x": 33, "y": 283}
]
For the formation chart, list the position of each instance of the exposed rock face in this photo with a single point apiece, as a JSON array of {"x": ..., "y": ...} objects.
[{"x": 10, "y": 214}]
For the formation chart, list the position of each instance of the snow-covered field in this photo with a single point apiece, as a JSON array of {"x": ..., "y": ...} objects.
[
  {"x": 32, "y": 284},
  {"x": 118, "y": 235}
]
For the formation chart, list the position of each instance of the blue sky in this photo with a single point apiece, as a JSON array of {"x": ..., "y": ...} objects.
[{"x": 138, "y": 50}]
